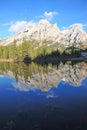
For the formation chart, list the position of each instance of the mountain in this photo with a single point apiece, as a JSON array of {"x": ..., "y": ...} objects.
[
  {"x": 44, "y": 30},
  {"x": 75, "y": 35}
]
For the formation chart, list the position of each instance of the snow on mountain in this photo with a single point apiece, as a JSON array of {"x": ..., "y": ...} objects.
[
  {"x": 41, "y": 31},
  {"x": 75, "y": 35},
  {"x": 44, "y": 30}
]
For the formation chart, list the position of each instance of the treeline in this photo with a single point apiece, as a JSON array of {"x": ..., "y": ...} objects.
[
  {"x": 56, "y": 56},
  {"x": 15, "y": 51},
  {"x": 27, "y": 48},
  {"x": 33, "y": 51}
]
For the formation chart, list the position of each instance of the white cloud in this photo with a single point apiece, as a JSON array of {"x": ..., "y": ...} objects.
[
  {"x": 1, "y": 76},
  {"x": 17, "y": 26},
  {"x": 85, "y": 27},
  {"x": 63, "y": 28},
  {"x": 48, "y": 15},
  {"x": 51, "y": 96},
  {"x": 6, "y": 24},
  {"x": 76, "y": 25}
]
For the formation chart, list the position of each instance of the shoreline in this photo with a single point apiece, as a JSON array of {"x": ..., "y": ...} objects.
[
  {"x": 6, "y": 60},
  {"x": 45, "y": 60},
  {"x": 10, "y": 60}
]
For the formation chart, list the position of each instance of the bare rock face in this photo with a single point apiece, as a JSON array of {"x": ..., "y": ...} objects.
[
  {"x": 44, "y": 30},
  {"x": 75, "y": 35},
  {"x": 40, "y": 31}
]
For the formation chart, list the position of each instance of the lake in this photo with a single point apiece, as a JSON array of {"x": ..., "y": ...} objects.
[{"x": 43, "y": 96}]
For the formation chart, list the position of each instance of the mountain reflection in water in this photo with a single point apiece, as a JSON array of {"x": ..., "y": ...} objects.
[
  {"x": 36, "y": 97},
  {"x": 33, "y": 76}
]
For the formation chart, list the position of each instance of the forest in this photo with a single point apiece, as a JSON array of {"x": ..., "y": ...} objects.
[{"x": 32, "y": 51}]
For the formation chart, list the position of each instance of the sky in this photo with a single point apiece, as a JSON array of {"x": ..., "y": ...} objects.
[{"x": 15, "y": 14}]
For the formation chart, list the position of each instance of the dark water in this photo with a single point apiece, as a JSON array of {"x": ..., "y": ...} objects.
[{"x": 43, "y": 97}]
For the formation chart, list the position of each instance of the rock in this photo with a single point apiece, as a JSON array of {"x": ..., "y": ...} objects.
[{"x": 44, "y": 30}]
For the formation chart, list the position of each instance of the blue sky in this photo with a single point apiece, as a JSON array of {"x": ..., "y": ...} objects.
[{"x": 14, "y": 14}]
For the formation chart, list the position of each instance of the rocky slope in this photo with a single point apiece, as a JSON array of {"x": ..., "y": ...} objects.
[
  {"x": 75, "y": 35},
  {"x": 43, "y": 30}
]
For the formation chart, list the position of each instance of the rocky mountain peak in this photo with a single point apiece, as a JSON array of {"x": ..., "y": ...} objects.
[
  {"x": 75, "y": 34},
  {"x": 43, "y": 21},
  {"x": 44, "y": 30}
]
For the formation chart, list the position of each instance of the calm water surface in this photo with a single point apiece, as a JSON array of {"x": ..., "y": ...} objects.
[{"x": 43, "y": 97}]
